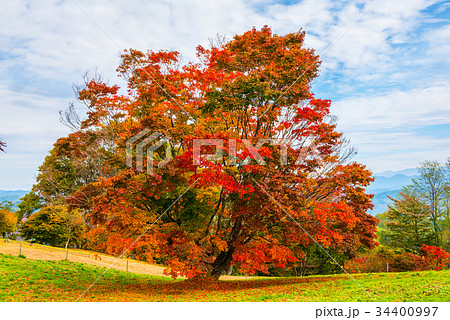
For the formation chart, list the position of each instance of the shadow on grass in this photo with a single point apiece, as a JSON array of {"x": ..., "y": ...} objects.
[{"x": 208, "y": 285}]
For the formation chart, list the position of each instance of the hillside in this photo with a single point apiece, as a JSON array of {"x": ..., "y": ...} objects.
[
  {"x": 43, "y": 252},
  {"x": 33, "y": 280}
]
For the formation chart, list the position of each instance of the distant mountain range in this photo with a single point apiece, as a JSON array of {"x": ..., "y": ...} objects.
[
  {"x": 407, "y": 172},
  {"x": 12, "y": 196},
  {"x": 389, "y": 183},
  {"x": 383, "y": 184},
  {"x": 381, "y": 201}
]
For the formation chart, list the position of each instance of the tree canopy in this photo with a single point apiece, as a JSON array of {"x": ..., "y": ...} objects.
[
  {"x": 420, "y": 215},
  {"x": 55, "y": 226},
  {"x": 199, "y": 216},
  {"x": 431, "y": 185},
  {"x": 407, "y": 223},
  {"x": 8, "y": 222},
  {"x": 29, "y": 204}
]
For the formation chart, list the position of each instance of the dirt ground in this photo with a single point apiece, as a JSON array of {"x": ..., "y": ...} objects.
[{"x": 41, "y": 252}]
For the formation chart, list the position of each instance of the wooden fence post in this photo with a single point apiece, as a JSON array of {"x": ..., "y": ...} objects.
[
  {"x": 127, "y": 264},
  {"x": 20, "y": 249}
]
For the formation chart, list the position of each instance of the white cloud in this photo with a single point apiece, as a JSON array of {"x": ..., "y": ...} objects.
[
  {"x": 392, "y": 130},
  {"x": 439, "y": 44},
  {"x": 29, "y": 123},
  {"x": 54, "y": 42},
  {"x": 55, "y": 39},
  {"x": 371, "y": 50},
  {"x": 58, "y": 38},
  {"x": 29, "y": 113},
  {"x": 396, "y": 109}
]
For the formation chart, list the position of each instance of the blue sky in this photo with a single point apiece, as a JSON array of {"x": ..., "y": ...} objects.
[{"x": 387, "y": 76}]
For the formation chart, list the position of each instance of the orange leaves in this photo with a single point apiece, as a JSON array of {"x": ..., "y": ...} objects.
[
  {"x": 217, "y": 243},
  {"x": 116, "y": 244},
  {"x": 254, "y": 87},
  {"x": 335, "y": 213},
  {"x": 188, "y": 260},
  {"x": 281, "y": 256},
  {"x": 327, "y": 223},
  {"x": 329, "y": 237},
  {"x": 8, "y": 221},
  {"x": 220, "y": 244},
  {"x": 95, "y": 90},
  {"x": 256, "y": 257},
  {"x": 218, "y": 57},
  {"x": 103, "y": 102},
  {"x": 435, "y": 257},
  {"x": 314, "y": 112}
]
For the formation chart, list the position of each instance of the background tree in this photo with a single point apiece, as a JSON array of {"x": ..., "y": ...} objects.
[
  {"x": 65, "y": 176},
  {"x": 8, "y": 222},
  {"x": 406, "y": 223},
  {"x": 7, "y": 205},
  {"x": 446, "y": 209},
  {"x": 29, "y": 204},
  {"x": 55, "y": 226},
  {"x": 431, "y": 186}
]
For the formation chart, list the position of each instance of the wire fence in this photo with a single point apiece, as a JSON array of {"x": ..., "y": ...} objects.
[{"x": 43, "y": 252}]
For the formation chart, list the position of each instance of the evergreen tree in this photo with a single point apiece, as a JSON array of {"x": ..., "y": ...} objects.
[{"x": 406, "y": 223}]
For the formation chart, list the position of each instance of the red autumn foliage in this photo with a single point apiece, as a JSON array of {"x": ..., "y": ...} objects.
[
  {"x": 201, "y": 219},
  {"x": 435, "y": 257},
  {"x": 378, "y": 260},
  {"x": 407, "y": 261}
]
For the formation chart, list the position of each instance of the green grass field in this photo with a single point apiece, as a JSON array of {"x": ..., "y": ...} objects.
[{"x": 34, "y": 280}]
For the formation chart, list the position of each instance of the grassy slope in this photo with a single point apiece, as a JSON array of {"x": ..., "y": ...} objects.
[
  {"x": 34, "y": 280},
  {"x": 41, "y": 252}
]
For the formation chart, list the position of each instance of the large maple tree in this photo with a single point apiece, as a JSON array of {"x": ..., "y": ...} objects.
[{"x": 202, "y": 216}]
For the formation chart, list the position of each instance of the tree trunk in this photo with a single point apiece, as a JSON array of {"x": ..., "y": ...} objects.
[
  {"x": 222, "y": 263},
  {"x": 223, "y": 260},
  {"x": 67, "y": 250}
]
